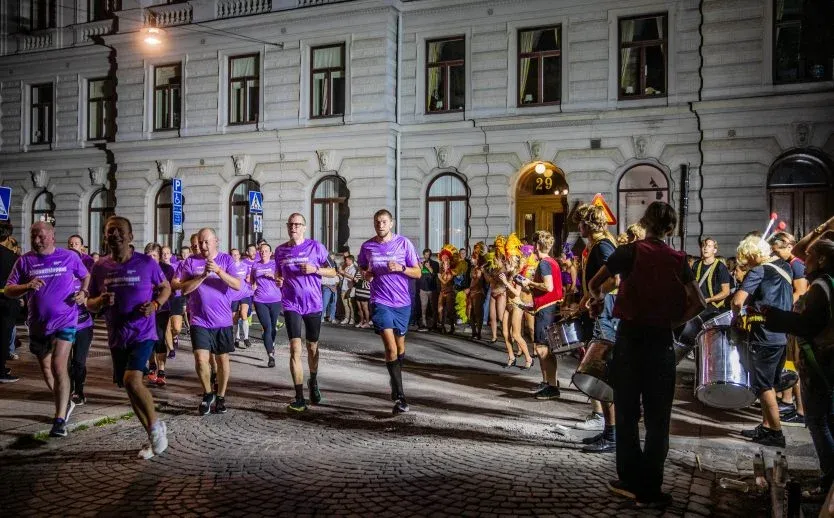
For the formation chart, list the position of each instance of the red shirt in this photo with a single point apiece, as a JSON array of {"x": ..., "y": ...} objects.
[{"x": 547, "y": 266}]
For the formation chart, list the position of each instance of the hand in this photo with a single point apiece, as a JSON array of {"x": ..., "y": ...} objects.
[
  {"x": 502, "y": 278},
  {"x": 35, "y": 284},
  {"x": 148, "y": 308},
  {"x": 309, "y": 268},
  {"x": 279, "y": 281},
  {"x": 395, "y": 267},
  {"x": 525, "y": 282},
  {"x": 595, "y": 307},
  {"x": 367, "y": 275},
  {"x": 108, "y": 298},
  {"x": 80, "y": 297},
  {"x": 211, "y": 266}
]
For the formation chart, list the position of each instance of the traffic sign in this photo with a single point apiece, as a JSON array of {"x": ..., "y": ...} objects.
[
  {"x": 599, "y": 201},
  {"x": 177, "y": 185},
  {"x": 177, "y": 221},
  {"x": 256, "y": 202},
  {"x": 258, "y": 224},
  {"x": 177, "y": 199},
  {"x": 5, "y": 203}
]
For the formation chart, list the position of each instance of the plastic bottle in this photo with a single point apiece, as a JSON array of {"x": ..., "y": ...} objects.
[{"x": 735, "y": 485}]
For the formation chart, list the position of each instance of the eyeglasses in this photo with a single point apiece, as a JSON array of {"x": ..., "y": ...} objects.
[{"x": 295, "y": 224}]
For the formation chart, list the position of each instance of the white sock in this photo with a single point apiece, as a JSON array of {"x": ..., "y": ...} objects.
[
  {"x": 245, "y": 329},
  {"x": 237, "y": 330}
]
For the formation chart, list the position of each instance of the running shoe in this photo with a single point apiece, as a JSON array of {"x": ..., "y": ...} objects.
[
  {"x": 59, "y": 428},
  {"x": 271, "y": 362},
  {"x": 146, "y": 452},
  {"x": 160, "y": 379},
  {"x": 172, "y": 354},
  {"x": 592, "y": 439},
  {"x": 299, "y": 405},
  {"x": 315, "y": 393},
  {"x": 8, "y": 377},
  {"x": 755, "y": 432},
  {"x": 152, "y": 377},
  {"x": 549, "y": 392},
  {"x": 246, "y": 343},
  {"x": 237, "y": 344},
  {"x": 360, "y": 324},
  {"x": 206, "y": 404},
  {"x": 159, "y": 437},
  {"x": 661, "y": 501},
  {"x": 220, "y": 405},
  {"x": 618, "y": 487},
  {"x": 14, "y": 356},
  {"x": 771, "y": 438},
  {"x": 400, "y": 407},
  {"x": 70, "y": 408},
  {"x": 601, "y": 446},
  {"x": 79, "y": 399},
  {"x": 594, "y": 422},
  {"x": 792, "y": 419},
  {"x": 538, "y": 388},
  {"x": 278, "y": 325},
  {"x": 786, "y": 408}
]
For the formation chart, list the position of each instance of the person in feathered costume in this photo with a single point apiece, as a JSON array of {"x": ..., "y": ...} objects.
[
  {"x": 477, "y": 290},
  {"x": 446, "y": 303},
  {"x": 498, "y": 292},
  {"x": 514, "y": 316}
]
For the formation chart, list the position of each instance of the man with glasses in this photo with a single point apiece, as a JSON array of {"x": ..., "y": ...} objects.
[{"x": 300, "y": 264}]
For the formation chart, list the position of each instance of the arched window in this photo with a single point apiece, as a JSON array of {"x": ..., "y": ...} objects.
[
  {"x": 447, "y": 212},
  {"x": 800, "y": 189},
  {"x": 638, "y": 187},
  {"x": 102, "y": 206},
  {"x": 330, "y": 213},
  {"x": 240, "y": 221},
  {"x": 164, "y": 220},
  {"x": 43, "y": 208}
]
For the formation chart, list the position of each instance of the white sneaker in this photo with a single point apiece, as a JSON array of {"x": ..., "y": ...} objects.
[
  {"x": 344, "y": 322},
  {"x": 146, "y": 452},
  {"x": 159, "y": 437},
  {"x": 70, "y": 408},
  {"x": 594, "y": 422}
]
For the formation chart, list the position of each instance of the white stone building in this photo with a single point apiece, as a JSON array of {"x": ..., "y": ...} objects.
[{"x": 439, "y": 110}]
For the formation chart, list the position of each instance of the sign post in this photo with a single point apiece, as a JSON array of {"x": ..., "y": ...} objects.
[
  {"x": 176, "y": 209},
  {"x": 5, "y": 203}
]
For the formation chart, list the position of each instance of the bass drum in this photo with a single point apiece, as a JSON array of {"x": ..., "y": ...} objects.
[
  {"x": 723, "y": 379},
  {"x": 591, "y": 377}
]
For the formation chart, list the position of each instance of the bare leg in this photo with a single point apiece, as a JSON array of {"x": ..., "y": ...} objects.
[
  {"x": 313, "y": 356},
  {"x": 770, "y": 410},
  {"x": 797, "y": 392},
  {"x": 160, "y": 361},
  {"x": 493, "y": 322},
  {"x": 389, "y": 341},
  {"x": 141, "y": 398},
  {"x": 548, "y": 364},
  {"x": 609, "y": 414},
  {"x": 223, "y": 373},
  {"x": 60, "y": 374},
  {"x": 201, "y": 364},
  {"x": 46, "y": 369},
  {"x": 516, "y": 326},
  {"x": 501, "y": 307}
]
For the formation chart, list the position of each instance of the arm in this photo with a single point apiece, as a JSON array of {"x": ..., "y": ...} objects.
[
  {"x": 511, "y": 286},
  {"x": 738, "y": 301},
  {"x": 800, "y": 287},
  {"x": 189, "y": 285},
  {"x": 801, "y": 248},
  {"x": 15, "y": 291},
  {"x": 151, "y": 307},
  {"x": 596, "y": 285},
  {"x": 721, "y": 295},
  {"x": 415, "y": 272},
  {"x": 809, "y": 323},
  {"x": 545, "y": 286},
  {"x": 230, "y": 280}
]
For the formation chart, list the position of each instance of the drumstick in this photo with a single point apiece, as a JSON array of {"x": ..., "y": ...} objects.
[
  {"x": 780, "y": 227},
  {"x": 773, "y": 217}
]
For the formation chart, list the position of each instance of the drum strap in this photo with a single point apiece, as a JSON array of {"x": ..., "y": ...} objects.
[
  {"x": 781, "y": 272},
  {"x": 708, "y": 279}
]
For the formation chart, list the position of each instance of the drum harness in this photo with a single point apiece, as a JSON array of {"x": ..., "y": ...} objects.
[{"x": 708, "y": 279}]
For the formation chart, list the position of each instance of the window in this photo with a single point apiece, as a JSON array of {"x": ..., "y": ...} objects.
[
  {"x": 100, "y": 108},
  {"x": 330, "y": 213},
  {"x": 43, "y": 208},
  {"x": 643, "y": 49},
  {"x": 166, "y": 97},
  {"x": 637, "y": 189},
  {"x": 102, "y": 206},
  {"x": 240, "y": 221},
  {"x": 540, "y": 66},
  {"x": 164, "y": 219},
  {"x": 803, "y": 43},
  {"x": 327, "y": 75},
  {"x": 41, "y": 115},
  {"x": 244, "y": 89},
  {"x": 445, "y": 75},
  {"x": 39, "y": 15},
  {"x": 98, "y": 9},
  {"x": 801, "y": 189},
  {"x": 447, "y": 207}
]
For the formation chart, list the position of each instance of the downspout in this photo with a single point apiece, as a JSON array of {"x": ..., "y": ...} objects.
[
  {"x": 397, "y": 103},
  {"x": 112, "y": 75},
  {"x": 700, "y": 131}
]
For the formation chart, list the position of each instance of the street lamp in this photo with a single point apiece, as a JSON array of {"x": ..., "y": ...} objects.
[
  {"x": 152, "y": 36},
  {"x": 540, "y": 168}
]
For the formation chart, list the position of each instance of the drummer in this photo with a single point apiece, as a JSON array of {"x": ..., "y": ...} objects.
[
  {"x": 768, "y": 282},
  {"x": 714, "y": 279}
]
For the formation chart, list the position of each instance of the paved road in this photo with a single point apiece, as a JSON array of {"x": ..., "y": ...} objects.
[{"x": 475, "y": 443}]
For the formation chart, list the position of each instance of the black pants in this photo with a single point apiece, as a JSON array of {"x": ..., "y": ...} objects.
[
  {"x": 643, "y": 371},
  {"x": 8, "y": 315},
  {"x": 268, "y": 316},
  {"x": 78, "y": 362}
]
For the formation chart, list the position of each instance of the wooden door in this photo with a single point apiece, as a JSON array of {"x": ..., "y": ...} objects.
[{"x": 802, "y": 210}]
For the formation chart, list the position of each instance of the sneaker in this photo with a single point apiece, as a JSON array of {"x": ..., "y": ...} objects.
[
  {"x": 207, "y": 403},
  {"x": 549, "y": 392},
  {"x": 246, "y": 343},
  {"x": 8, "y": 378},
  {"x": 159, "y": 437},
  {"x": 172, "y": 354},
  {"x": 79, "y": 399},
  {"x": 594, "y": 422},
  {"x": 786, "y": 408},
  {"x": 366, "y": 325},
  {"x": 792, "y": 419},
  {"x": 70, "y": 408},
  {"x": 299, "y": 405},
  {"x": 160, "y": 380},
  {"x": 422, "y": 329},
  {"x": 755, "y": 432},
  {"x": 237, "y": 344},
  {"x": 592, "y": 439},
  {"x": 279, "y": 325},
  {"x": 601, "y": 446},
  {"x": 146, "y": 452},
  {"x": 345, "y": 322},
  {"x": 315, "y": 393},
  {"x": 771, "y": 438},
  {"x": 400, "y": 407},
  {"x": 661, "y": 501},
  {"x": 59, "y": 428},
  {"x": 618, "y": 487},
  {"x": 271, "y": 362},
  {"x": 152, "y": 377},
  {"x": 220, "y": 405},
  {"x": 359, "y": 325},
  {"x": 538, "y": 388}
]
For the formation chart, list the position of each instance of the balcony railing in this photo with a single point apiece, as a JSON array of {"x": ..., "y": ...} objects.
[
  {"x": 84, "y": 31},
  {"x": 168, "y": 15},
  {"x": 232, "y": 8},
  {"x": 37, "y": 41}
]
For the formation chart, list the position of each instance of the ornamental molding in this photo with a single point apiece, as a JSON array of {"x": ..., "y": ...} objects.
[
  {"x": 40, "y": 179},
  {"x": 442, "y": 155},
  {"x": 534, "y": 148},
  {"x": 802, "y": 133},
  {"x": 98, "y": 176},
  {"x": 242, "y": 165},
  {"x": 641, "y": 145},
  {"x": 165, "y": 169},
  {"x": 325, "y": 160}
]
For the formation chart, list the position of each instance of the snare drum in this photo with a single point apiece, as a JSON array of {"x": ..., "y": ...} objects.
[
  {"x": 723, "y": 319},
  {"x": 723, "y": 380},
  {"x": 565, "y": 336},
  {"x": 788, "y": 378},
  {"x": 591, "y": 377}
]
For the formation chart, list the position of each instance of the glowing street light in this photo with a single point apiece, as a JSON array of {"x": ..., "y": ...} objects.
[
  {"x": 540, "y": 168},
  {"x": 153, "y": 36}
]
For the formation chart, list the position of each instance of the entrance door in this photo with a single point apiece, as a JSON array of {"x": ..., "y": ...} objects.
[
  {"x": 801, "y": 189},
  {"x": 541, "y": 203}
]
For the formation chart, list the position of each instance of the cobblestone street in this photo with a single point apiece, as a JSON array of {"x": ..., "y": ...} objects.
[{"x": 475, "y": 443}]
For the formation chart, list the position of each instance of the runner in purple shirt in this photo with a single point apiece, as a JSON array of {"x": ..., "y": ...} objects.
[
  {"x": 300, "y": 265},
  {"x": 83, "y": 333},
  {"x": 267, "y": 297},
  {"x": 156, "y": 374},
  {"x": 388, "y": 260},
  {"x": 242, "y": 300},
  {"x": 129, "y": 288},
  {"x": 45, "y": 275},
  {"x": 208, "y": 281},
  {"x": 76, "y": 242}
]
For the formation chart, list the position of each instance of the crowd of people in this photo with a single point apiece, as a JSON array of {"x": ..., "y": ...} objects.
[{"x": 632, "y": 292}]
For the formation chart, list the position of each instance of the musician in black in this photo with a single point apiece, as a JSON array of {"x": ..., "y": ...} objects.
[
  {"x": 714, "y": 279},
  {"x": 768, "y": 282}
]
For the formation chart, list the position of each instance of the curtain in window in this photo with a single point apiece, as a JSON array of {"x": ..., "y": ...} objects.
[
  {"x": 457, "y": 223},
  {"x": 243, "y": 67},
  {"x": 434, "y": 75},
  {"x": 324, "y": 58},
  {"x": 659, "y": 20},
  {"x": 436, "y": 223},
  {"x": 626, "y": 35},
  {"x": 525, "y": 45}
]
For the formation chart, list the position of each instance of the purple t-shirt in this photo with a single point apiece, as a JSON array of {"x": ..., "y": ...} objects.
[
  {"x": 88, "y": 261},
  {"x": 388, "y": 288},
  {"x": 209, "y": 304},
  {"x": 266, "y": 291},
  {"x": 301, "y": 292},
  {"x": 169, "y": 272},
  {"x": 240, "y": 270},
  {"x": 133, "y": 283},
  {"x": 52, "y": 307}
]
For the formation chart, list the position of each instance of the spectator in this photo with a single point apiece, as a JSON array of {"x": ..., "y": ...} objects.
[
  {"x": 347, "y": 272},
  {"x": 428, "y": 287}
]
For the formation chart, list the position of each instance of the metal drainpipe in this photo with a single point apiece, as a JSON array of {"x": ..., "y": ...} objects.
[{"x": 397, "y": 170}]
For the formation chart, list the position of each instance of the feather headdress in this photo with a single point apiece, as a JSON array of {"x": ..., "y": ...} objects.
[{"x": 512, "y": 246}]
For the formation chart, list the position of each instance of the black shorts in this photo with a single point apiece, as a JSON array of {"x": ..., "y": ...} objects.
[
  {"x": 162, "y": 318},
  {"x": 310, "y": 321},
  {"x": 178, "y": 305},
  {"x": 217, "y": 340},
  {"x": 134, "y": 357},
  {"x": 236, "y": 304},
  {"x": 768, "y": 362},
  {"x": 544, "y": 317}
]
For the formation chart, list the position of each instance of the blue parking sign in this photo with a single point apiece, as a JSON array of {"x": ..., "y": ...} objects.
[
  {"x": 5, "y": 203},
  {"x": 177, "y": 185}
]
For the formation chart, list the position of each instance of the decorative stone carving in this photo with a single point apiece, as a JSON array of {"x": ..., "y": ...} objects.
[
  {"x": 98, "y": 176},
  {"x": 442, "y": 154},
  {"x": 40, "y": 179},
  {"x": 640, "y": 145},
  {"x": 243, "y": 165},
  {"x": 802, "y": 132},
  {"x": 165, "y": 169},
  {"x": 535, "y": 149},
  {"x": 324, "y": 160}
]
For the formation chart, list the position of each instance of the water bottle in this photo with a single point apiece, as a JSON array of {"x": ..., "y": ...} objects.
[{"x": 735, "y": 485}]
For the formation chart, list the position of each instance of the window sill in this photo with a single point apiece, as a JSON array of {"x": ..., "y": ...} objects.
[
  {"x": 38, "y": 147},
  {"x": 641, "y": 102},
  {"x": 332, "y": 120},
  {"x": 806, "y": 86},
  {"x": 536, "y": 109},
  {"x": 246, "y": 127}
]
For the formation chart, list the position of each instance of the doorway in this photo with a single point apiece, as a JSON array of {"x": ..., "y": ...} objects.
[
  {"x": 541, "y": 202},
  {"x": 801, "y": 190}
]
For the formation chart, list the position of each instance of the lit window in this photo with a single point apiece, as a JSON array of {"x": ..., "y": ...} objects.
[
  {"x": 241, "y": 231},
  {"x": 445, "y": 75},
  {"x": 244, "y": 89},
  {"x": 540, "y": 66},
  {"x": 43, "y": 208},
  {"x": 643, "y": 49}
]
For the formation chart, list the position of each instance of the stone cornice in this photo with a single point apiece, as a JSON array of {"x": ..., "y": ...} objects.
[{"x": 767, "y": 103}]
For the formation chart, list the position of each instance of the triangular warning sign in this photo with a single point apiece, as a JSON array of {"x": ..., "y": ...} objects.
[{"x": 599, "y": 201}]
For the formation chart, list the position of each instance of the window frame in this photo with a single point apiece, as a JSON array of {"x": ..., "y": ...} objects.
[
  {"x": 806, "y": 76},
  {"x": 642, "y": 45},
  {"x": 106, "y": 211},
  {"x": 232, "y": 204},
  {"x": 51, "y": 16},
  {"x": 331, "y": 205},
  {"x": 49, "y": 119},
  {"x": 157, "y": 206},
  {"x": 104, "y": 103},
  {"x": 106, "y": 11},
  {"x": 539, "y": 56},
  {"x": 50, "y": 212},
  {"x": 327, "y": 71},
  {"x": 243, "y": 80},
  {"x": 445, "y": 67},
  {"x": 446, "y": 209},
  {"x": 169, "y": 87}
]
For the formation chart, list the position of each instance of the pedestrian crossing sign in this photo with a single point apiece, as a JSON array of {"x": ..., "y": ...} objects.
[
  {"x": 599, "y": 201},
  {"x": 5, "y": 202},
  {"x": 256, "y": 202}
]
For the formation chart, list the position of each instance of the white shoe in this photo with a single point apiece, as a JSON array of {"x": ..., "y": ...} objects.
[
  {"x": 70, "y": 408},
  {"x": 594, "y": 422},
  {"x": 358, "y": 325},
  {"x": 159, "y": 437},
  {"x": 344, "y": 322},
  {"x": 146, "y": 452}
]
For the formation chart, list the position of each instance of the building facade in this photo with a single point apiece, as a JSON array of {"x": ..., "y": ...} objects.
[{"x": 465, "y": 118}]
